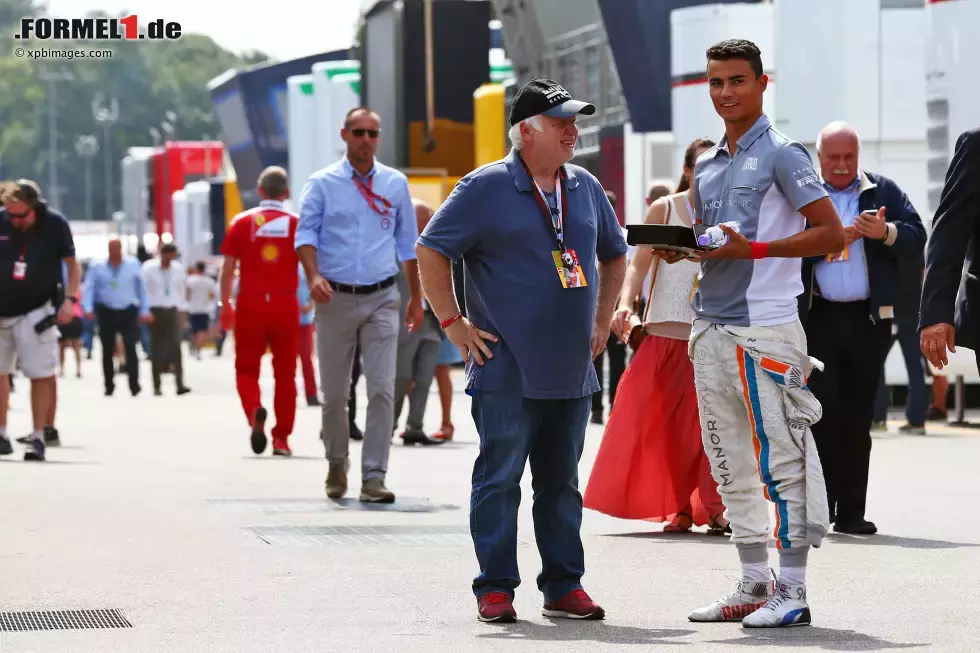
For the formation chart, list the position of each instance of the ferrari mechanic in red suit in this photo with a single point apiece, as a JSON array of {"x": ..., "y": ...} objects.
[{"x": 266, "y": 312}]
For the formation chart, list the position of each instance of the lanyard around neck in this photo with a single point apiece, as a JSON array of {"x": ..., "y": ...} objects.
[
  {"x": 556, "y": 216},
  {"x": 371, "y": 197}
]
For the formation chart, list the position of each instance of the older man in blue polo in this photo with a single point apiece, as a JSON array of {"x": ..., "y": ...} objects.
[{"x": 544, "y": 260}]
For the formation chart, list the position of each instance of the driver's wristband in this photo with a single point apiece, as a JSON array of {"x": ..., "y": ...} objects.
[
  {"x": 445, "y": 324},
  {"x": 760, "y": 250}
]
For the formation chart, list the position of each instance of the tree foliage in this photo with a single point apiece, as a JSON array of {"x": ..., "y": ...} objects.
[{"x": 148, "y": 78}]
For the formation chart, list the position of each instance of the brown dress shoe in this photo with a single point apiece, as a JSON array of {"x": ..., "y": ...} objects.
[
  {"x": 336, "y": 483},
  {"x": 373, "y": 490}
]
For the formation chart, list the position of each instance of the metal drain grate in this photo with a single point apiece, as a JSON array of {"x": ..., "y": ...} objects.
[
  {"x": 283, "y": 506},
  {"x": 62, "y": 620},
  {"x": 365, "y": 535}
]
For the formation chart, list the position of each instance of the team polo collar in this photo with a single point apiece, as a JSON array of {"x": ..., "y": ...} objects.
[
  {"x": 758, "y": 128},
  {"x": 523, "y": 181}
]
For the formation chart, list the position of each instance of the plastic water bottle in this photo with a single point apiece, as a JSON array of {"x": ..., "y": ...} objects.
[{"x": 714, "y": 237}]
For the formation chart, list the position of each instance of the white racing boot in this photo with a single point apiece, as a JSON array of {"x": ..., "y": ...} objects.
[
  {"x": 787, "y": 608},
  {"x": 747, "y": 598}
]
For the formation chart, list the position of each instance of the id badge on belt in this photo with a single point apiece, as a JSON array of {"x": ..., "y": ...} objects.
[{"x": 20, "y": 270}]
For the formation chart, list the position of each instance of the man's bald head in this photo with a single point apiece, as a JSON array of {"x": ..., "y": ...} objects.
[
  {"x": 838, "y": 130},
  {"x": 838, "y": 147}
]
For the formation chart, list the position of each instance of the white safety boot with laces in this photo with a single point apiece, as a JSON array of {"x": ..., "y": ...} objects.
[
  {"x": 788, "y": 607},
  {"x": 748, "y": 597}
]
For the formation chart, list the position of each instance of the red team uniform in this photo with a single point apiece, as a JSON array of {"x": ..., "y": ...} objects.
[{"x": 267, "y": 309}]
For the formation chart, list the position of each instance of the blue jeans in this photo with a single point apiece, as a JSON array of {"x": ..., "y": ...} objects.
[
  {"x": 917, "y": 401},
  {"x": 551, "y": 432}
]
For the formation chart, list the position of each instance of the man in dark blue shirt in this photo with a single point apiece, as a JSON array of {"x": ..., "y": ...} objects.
[
  {"x": 530, "y": 230},
  {"x": 34, "y": 241}
]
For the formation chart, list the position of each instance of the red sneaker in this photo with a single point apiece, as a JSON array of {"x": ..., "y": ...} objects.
[
  {"x": 574, "y": 605},
  {"x": 497, "y": 607},
  {"x": 280, "y": 447}
]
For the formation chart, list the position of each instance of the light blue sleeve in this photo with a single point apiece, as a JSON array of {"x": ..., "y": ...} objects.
[
  {"x": 406, "y": 226},
  {"x": 141, "y": 293},
  {"x": 303, "y": 289},
  {"x": 311, "y": 204},
  {"x": 88, "y": 289}
]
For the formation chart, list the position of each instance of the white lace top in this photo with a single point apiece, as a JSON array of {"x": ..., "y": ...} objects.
[{"x": 669, "y": 313}]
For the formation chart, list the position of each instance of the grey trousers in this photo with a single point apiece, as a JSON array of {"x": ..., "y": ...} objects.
[
  {"x": 165, "y": 347},
  {"x": 417, "y": 356},
  {"x": 371, "y": 320}
]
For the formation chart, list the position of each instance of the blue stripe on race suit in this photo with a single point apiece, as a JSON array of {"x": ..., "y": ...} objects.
[{"x": 782, "y": 531}]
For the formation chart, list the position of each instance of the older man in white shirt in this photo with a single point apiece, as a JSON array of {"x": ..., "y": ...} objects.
[{"x": 166, "y": 291}]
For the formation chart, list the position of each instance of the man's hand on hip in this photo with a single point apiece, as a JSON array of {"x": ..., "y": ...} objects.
[
  {"x": 934, "y": 341},
  {"x": 414, "y": 314},
  {"x": 320, "y": 290},
  {"x": 470, "y": 340}
]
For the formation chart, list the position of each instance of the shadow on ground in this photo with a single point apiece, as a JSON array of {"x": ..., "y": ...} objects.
[
  {"x": 835, "y": 539},
  {"x": 585, "y": 631},
  {"x": 826, "y": 638},
  {"x": 894, "y": 540},
  {"x": 673, "y": 538}
]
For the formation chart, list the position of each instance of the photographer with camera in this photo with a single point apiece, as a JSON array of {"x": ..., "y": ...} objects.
[{"x": 34, "y": 240}]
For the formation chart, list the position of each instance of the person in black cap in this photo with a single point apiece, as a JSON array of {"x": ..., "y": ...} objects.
[{"x": 522, "y": 227}]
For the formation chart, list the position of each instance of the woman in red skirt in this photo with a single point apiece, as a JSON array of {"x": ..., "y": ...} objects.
[{"x": 651, "y": 464}]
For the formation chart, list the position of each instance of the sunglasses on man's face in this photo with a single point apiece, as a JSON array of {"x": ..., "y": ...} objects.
[{"x": 359, "y": 133}]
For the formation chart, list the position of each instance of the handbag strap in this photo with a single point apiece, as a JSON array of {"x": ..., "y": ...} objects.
[{"x": 656, "y": 263}]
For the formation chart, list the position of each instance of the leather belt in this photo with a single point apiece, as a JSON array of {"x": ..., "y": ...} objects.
[{"x": 363, "y": 290}]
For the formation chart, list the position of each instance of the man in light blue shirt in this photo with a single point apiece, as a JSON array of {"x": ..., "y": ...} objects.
[
  {"x": 356, "y": 223},
  {"x": 115, "y": 296},
  {"x": 844, "y": 277},
  {"x": 852, "y": 299}
]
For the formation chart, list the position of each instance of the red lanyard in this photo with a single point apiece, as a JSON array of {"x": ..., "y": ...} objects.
[
  {"x": 371, "y": 196},
  {"x": 549, "y": 214}
]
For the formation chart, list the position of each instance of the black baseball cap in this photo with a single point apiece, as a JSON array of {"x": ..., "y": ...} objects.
[{"x": 548, "y": 97}]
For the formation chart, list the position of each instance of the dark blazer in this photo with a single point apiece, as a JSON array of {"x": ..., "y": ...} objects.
[
  {"x": 953, "y": 255},
  {"x": 891, "y": 267}
]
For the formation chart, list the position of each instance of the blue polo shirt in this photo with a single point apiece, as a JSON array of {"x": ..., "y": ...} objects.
[{"x": 493, "y": 221}]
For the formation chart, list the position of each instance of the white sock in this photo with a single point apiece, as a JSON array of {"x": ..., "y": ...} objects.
[
  {"x": 756, "y": 572},
  {"x": 37, "y": 435},
  {"x": 792, "y": 575},
  {"x": 3, "y": 431}
]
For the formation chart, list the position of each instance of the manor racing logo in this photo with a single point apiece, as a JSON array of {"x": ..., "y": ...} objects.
[
  {"x": 97, "y": 29},
  {"x": 735, "y": 203}
]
